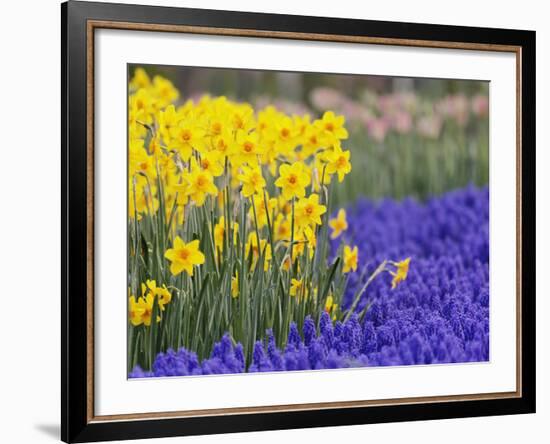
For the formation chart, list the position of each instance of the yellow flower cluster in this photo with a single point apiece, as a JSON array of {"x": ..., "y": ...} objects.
[
  {"x": 189, "y": 146},
  {"x": 185, "y": 155},
  {"x": 141, "y": 309}
]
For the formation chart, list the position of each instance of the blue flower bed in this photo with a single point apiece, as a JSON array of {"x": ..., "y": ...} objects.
[{"x": 440, "y": 314}]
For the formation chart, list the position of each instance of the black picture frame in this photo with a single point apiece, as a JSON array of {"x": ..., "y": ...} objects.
[{"x": 76, "y": 326}]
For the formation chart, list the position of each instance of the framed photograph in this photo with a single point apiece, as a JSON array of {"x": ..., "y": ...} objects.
[{"x": 276, "y": 221}]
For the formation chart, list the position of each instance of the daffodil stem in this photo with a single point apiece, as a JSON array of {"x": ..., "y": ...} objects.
[{"x": 381, "y": 268}]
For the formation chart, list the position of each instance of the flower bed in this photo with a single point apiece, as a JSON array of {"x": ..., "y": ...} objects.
[{"x": 440, "y": 314}]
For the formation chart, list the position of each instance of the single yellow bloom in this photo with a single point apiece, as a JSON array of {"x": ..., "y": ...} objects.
[
  {"x": 145, "y": 306},
  {"x": 242, "y": 117},
  {"x": 283, "y": 133},
  {"x": 265, "y": 247},
  {"x": 217, "y": 124},
  {"x": 350, "y": 258},
  {"x": 219, "y": 233},
  {"x": 140, "y": 80},
  {"x": 141, "y": 198},
  {"x": 247, "y": 149},
  {"x": 401, "y": 273},
  {"x": 165, "y": 91},
  {"x": 293, "y": 180},
  {"x": 309, "y": 236},
  {"x": 163, "y": 294},
  {"x": 284, "y": 205},
  {"x": 222, "y": 143},
  {"x": 235, "y": 286},
  {"x": 186, "y": 137},
  {"x": 339, "y": 224},
  {"x": 295, "y": 286},
  {"x": 211, "y": 162},
  {"x": 261, "y": 213},
  {"x": 201, "y": 183},
  {"x": 182, "y": 190},
  {"x": 281, "y": 228},
  {"x": 338, "y": 162},
  {"x": 309, "y": 211},
  {"x": 311, "y": 141},
  {"x": 331, "y": 128},
  {"x": 184, "y": 256},
  {"x": 331, "y": 306},
  {"x": 167, "y": 121},
  {"x": 139, "y": 161},
  {"x": 252, "y": 180},
  {"x": 304, "y": 237},
  {"x": 141, "y": 104},
  {"x": 135, "y": 311}
]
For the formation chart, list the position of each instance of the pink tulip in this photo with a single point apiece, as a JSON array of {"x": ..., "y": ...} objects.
[
  {"x": 378, "y": 128},
  {"x": 480, "y": 105},
  {"x": 402, "y": 122},
  {"x": 429, "y": 126},
  {"x": 326, "y": 98}
]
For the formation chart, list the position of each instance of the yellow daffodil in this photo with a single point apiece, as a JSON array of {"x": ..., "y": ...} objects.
[
  {"x": 222, "y": 143},
  {"x": 284, "y": 205},
  {"x": 308, "y": 211},
  {"x": 304, "y": 237},
  {"x": 252, "y": 180},
  {"x": 135, "y": 311},
  {"x": 219, "y": 233},
  {"x": 141, "y": 104},
  {"x": 402, "y": 269},
  {"x": 201, "y": 183},
  {"x": 140, "y": 79},
  {"x": 235, "y": 286},
  {"x": 293, "y": 180},
  {"x": 186, "y": 137},
  {"x": 281, "y": 228},
  {"x": 339, "y": 224},
  {"x": 168, "y": 120},
  {"x": 165, "y": 91},
  {"x": 350, "y": 259},
  {"x": 295, "y": 286},
  {"x": 164, "y": 296},
  {"x": 331, "y": 128},
  {"x": 141, "y": 311},
  {"x": 184, "y": 257},
  {"x": 211, "y": 162},
  {"x": 331, "y": 307},
  {"x": 141, "y": 198},
  {"x": 311, "y": 141},
  {"x": 246, "y": 149},
  {"x": 139, "y": 161},
  {"x": 217, "y": 124},
  {"x": 260, "y": 206},
  {"x": 242, "y": 117},
  {"x": 338, "y": 162},
  {"x": 284, "y": 135},
  {"x": 265, "y": 248},
  {"x": 181, "y": 190}
]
